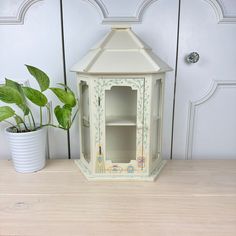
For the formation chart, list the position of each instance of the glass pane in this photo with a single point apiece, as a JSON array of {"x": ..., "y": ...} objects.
[
  {"x": 121, "y": 101},
  {"x": 156, "y": 121},
  {"x": 120, "y": 144},
  {"x": 85, "y": 125},
  {"x": 121, "y": 116}
]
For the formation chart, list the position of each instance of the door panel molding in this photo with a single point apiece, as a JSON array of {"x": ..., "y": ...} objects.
[
  {"x": 18, "y": 18},
  {"x": 223, "y": 18},
  {"x": 192, "y": 111},
  {"x": 108, "y": 18}
]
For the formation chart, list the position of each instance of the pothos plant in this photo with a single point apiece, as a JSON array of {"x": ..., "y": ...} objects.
[{"x": 17, "y": 94}]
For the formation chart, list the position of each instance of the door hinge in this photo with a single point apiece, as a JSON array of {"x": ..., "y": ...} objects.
[{"x": 99, "y": 101}]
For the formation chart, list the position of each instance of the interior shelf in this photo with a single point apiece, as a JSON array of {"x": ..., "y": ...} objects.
[{"x": 121, "y": 121}]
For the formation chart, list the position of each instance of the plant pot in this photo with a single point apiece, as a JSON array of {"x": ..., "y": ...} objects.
[{"x": 28, "y": 149}]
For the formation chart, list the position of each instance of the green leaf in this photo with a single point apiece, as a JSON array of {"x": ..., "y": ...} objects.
[
  {"x": 66, "y": 106},
  {"x": 66, "y": 97},
  {"x": 35, "y": 96},
  {"x": 63, "y": 115},
  {"x": 41, "y": 77},
  {"x": 17, "y": 86},
  {"x": 10, "y": 95},
  {"x": 13, "y": 84},
  {"x": 6, "y": 112}
]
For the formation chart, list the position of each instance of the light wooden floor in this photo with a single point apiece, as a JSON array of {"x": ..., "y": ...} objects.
[{"x": 189, "y": 198}]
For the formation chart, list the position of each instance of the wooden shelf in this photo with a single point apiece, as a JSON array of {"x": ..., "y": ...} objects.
[{"x": 121, "y": 121}]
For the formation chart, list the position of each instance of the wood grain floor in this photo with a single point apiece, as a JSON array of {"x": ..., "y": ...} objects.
[{"x": 188, "y": 198}]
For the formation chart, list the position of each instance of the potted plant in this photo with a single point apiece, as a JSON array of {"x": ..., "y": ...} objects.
[{"x": 26, "y": 136}]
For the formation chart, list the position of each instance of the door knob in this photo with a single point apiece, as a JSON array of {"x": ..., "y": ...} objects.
[{"x": 193, "y": 57}]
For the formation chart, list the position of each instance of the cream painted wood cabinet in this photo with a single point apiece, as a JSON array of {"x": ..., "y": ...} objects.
[{"x": 121, "y": 85}]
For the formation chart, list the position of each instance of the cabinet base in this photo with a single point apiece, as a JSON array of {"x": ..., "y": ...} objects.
[{"x": 126, "y": 177}]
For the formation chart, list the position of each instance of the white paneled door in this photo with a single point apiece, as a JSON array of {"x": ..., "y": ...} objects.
[{"x": 205, "y": 106}]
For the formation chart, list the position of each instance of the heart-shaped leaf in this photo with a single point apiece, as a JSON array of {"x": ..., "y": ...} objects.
[
  {"x": 35, "y": 96},
  {"x": 17, "y": 86},
  {"x": 67, "y": 97},
  {"x": 6, "y": 112},
  {"x": 41, "y": 77},
  {"x": 13, "y": 84},
  {"x": 10, "y": 95},
  {"x": 63, "y": 115},
  {"x": 66, "y": 106}
]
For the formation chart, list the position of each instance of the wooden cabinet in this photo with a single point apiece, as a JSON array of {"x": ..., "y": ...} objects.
[{"x": 121, "y": 109}]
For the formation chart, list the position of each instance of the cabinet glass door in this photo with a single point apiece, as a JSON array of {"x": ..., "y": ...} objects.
[{"x": 121, "y": 123}]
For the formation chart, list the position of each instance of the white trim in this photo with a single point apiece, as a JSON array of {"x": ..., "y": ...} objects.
[
  {"x": 219, "y": 10},
  {"x": 18, "y": 19},
  {"x": 99, "y": 6},
  {"x": 192, "y": 110},
  {"x": 144, "y": 4},
  {"x": 107, "y": 19},
  {"x": 142, "y": 7}
]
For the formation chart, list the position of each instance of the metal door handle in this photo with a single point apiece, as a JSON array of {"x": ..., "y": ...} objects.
[{"x": 193, "y": 57}]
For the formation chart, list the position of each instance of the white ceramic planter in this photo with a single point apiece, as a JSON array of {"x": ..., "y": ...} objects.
[{"x": 28, "y": 150}]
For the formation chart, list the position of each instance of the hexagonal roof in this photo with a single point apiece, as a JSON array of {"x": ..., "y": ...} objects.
[{"x": 121, "y": 51}]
